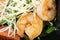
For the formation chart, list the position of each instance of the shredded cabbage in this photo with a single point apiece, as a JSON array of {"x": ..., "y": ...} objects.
[{"x": 12, "y": 8}]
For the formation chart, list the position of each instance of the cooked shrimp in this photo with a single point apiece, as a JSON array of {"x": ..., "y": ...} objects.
[
  {"x": 46, "y": 10},
  {"x": 31, "y": 24},
  {"x": 2, "y": 0}
]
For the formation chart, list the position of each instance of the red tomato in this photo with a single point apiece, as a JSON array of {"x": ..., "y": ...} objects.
[{"x": 1, "y": 27}]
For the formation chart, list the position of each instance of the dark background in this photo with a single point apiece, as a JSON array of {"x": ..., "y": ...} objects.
[{"x": 56, "y": 34}]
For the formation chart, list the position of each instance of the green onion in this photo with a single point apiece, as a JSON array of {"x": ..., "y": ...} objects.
[
  {"x": 50, "y": 30},
  {"x": 11, "y": 0},
  {"x": 28, "y": 1},
  {"x": 14, "y": 4},
  {"x": 27, "y": 38},
  {"x": 15, "y": 11},
  {"x": 51, "y": 24},
  {"x": 8, "y": 11},
  {"x": 2, "y": 22},
  {"x": 38, "y": 38}
]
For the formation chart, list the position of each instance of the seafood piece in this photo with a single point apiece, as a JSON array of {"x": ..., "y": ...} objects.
[
  {"x": 46, "y": 10},
  {"x": 31, "y": 24}
]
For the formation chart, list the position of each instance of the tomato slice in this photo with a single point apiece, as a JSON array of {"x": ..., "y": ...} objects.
[{"x": 1, "y": 27}]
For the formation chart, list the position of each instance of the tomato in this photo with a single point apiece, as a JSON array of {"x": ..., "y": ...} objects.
[{"x": 1, "y": 27}]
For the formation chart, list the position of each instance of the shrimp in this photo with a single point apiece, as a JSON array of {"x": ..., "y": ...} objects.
[
  {"x": 46, "y": 10},
  {"x": 31, "y": 25},
  {"x": 1, "y": 0}
]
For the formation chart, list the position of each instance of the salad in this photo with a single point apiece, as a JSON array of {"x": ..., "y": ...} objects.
[{"x": 29, "y": 19}]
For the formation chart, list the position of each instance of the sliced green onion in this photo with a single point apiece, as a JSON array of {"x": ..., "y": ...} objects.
[
  {"x": 1, "y": 22},
  {"x": 8, "y": 11},
  {"x": 38, "y": 38},
  {"x": 28, "y": 1},
  {"x": 51, "y": 23},
  {"x": 50, "y": 30},
  {"x": 27, "y": 38},
  {"x": 14, "y": 4}
]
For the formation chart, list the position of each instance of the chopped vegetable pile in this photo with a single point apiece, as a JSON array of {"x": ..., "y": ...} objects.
[{"x": 12, "y": 11}]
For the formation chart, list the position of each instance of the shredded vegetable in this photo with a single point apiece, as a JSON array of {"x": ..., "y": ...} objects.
[{"x": 12, "y": 9}]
